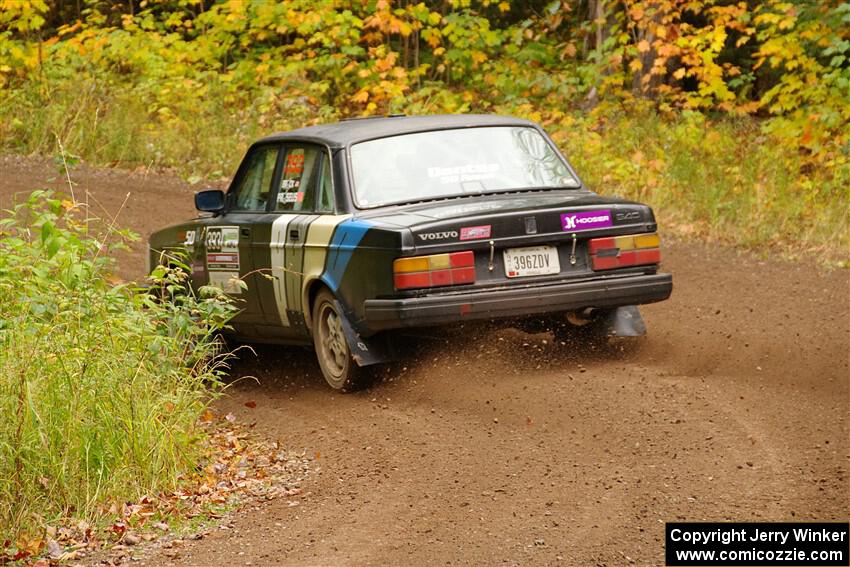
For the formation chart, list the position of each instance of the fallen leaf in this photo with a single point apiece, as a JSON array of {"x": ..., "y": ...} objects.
[
  {"x": 54, "y": 550},
  {"x": 252, "y": 404},
  {"x": 29, "y": 545}
]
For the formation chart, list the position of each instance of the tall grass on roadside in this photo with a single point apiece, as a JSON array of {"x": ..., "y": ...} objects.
[
  {"x": 109, "y": 123},
  {"x": 101, "y": 385}
]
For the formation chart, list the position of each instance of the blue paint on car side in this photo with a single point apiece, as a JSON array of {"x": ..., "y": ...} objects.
[{"x": 345, "y": 239}]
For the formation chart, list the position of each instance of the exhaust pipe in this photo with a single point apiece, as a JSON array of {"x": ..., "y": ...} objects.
[
  {"x": 583, "y": 317},
  {"x": 623, "y": 321}
]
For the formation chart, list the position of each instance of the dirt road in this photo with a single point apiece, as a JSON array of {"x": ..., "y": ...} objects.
[{"x": 498, "y": 447}]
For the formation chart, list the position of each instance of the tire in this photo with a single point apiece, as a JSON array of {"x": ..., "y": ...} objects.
[{"x": 340, "y": 370}]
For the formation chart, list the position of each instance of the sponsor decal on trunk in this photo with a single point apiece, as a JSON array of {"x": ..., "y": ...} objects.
[
  {"x": 475, "y": 232},
  {"x": 586, "y": 220}
]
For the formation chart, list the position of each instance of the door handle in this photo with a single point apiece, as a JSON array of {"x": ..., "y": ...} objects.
[
  {"x": 245, "y": 232},
  {"x": 294, "y": 233}
]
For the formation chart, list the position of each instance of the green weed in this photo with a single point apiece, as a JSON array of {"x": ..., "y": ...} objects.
[{"x": 101, "y": 385}]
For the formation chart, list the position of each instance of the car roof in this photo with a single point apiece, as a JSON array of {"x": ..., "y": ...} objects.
[{"x": 341, "y": 134}]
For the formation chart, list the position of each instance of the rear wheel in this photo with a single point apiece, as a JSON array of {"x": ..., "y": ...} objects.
[{"x": 340, "y": 370}]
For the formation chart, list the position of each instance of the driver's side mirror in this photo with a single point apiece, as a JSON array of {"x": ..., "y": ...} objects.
[{"x": 209, "y": 201}]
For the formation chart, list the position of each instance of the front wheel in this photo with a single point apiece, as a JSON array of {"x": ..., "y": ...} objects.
[{"x": 338, "y": 367}]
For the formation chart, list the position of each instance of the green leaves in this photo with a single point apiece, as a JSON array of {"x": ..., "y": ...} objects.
[
  {"x": 86, "y": 368},
  {"x": 22, "y": 15},
  {"x": 302, "y": 61}
]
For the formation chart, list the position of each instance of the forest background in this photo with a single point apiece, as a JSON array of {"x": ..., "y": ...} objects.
[{"x": 730, "y": 117}]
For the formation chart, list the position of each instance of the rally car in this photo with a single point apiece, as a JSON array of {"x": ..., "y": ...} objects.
[{"x": 343, "y": 233}]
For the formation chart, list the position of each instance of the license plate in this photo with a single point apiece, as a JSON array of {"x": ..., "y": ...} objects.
[{"x": 531, "y": 261}]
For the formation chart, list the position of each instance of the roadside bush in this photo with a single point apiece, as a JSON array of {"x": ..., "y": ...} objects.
[{"x": 101, "y": 384}]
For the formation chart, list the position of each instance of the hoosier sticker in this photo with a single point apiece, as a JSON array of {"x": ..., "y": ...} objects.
[{"x": 586, "y": 220}]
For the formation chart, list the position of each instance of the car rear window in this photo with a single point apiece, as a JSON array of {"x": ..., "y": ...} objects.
[{"x": 449, "y": 163}]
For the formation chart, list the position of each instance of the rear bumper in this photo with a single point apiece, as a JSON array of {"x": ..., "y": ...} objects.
[{"x": 382, "y": 314}]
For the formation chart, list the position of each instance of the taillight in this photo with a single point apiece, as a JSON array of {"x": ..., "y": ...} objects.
[
  {"x": 622, "y": 251},
  {"x": 434, "y": 271}
]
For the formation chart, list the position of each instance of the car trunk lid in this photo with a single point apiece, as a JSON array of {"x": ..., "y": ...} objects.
[
  {"x": 516, "y": 219},
  {"x": 520, "y": 237}
]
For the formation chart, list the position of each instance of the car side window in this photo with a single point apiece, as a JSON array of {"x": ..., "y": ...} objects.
[
  {"x": 254, "y": 188},
  {"x": 302, "y": 181},
  {"x": 325, "y": 200}
]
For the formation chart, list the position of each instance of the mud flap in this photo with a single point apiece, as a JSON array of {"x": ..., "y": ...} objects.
[
  {"x": 364, "y": 351},
  {"x": 624, "y": 322}
]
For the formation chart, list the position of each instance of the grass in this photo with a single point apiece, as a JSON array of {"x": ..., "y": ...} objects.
[
  {"x": 115, "y": 126},
  {"x": 100, "y": 385},
  {"x": 723, "y": 180},
  {"x": 719, "y": 180}
]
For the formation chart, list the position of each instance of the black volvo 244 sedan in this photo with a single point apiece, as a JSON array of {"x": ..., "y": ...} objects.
[{"x": 372, "y": 225}]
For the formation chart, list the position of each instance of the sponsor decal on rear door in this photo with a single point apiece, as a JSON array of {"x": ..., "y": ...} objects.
[{"x": 291, "y": 273}]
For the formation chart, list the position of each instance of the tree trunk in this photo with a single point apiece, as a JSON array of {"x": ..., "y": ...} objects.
[
  {"x": 599, "y": 16},
  {"x": 644, "y": 83}
]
